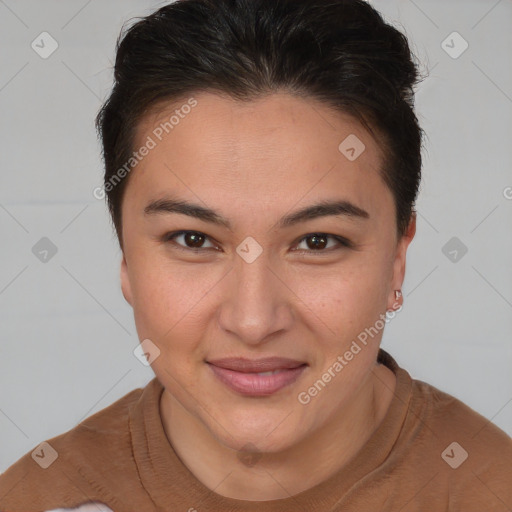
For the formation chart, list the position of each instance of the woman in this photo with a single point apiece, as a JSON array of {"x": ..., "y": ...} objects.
[{"x": 262, "y": 163}]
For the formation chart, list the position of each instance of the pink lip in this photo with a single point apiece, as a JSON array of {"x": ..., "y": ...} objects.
[
  {"x": 266, "y": 364},
  {"x": 249, "y": 383}
]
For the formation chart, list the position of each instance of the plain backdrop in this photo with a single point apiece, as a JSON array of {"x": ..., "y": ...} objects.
[{"x": 66, "y": 334}]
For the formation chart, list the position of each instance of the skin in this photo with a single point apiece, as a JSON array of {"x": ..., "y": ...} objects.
[{"x": 253, "y": 163}]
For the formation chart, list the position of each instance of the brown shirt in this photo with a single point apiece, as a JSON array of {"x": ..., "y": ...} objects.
[{"x": 430, "y": 452}]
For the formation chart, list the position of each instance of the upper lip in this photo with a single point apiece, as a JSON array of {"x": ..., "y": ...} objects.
[{"x": 266, "y": 364}]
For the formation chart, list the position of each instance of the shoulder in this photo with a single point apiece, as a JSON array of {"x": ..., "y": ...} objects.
[
  {"x": 466, "y": 454},
  {"x": 109, "y": 425},
  {"x": 58, "y": 471},
  {"x": 444, "y": 413}
]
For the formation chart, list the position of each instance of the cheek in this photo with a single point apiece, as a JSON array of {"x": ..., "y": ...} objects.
[
  {"x": 157, "y": 296},
  {"x": 343, "y": 298},
  {"x": 168, "y": 298},
  {"x": 167, "y": 309}
]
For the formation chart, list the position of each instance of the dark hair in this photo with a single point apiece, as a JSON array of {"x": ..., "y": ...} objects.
[{"x": 340, "y": 52}]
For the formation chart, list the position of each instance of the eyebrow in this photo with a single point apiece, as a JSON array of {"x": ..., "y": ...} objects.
[{"x": 321, "y": 209}]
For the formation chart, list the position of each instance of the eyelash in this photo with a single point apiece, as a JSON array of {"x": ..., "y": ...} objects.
[{"x": 344, "y": 243}]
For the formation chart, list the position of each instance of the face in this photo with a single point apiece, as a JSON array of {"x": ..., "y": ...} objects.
[{"x": 248, "y": 273}]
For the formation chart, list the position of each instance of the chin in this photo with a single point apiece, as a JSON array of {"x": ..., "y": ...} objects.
[{"x": 260, "y": 436}]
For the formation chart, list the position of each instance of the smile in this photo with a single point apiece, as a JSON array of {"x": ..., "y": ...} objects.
[{"x": 257, "y": 383}]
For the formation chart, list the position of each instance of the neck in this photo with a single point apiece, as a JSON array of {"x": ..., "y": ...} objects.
[{"x": 285, "y": 473}]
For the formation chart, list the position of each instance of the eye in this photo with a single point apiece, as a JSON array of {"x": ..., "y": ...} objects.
[
  {"x": 194, "y": 241},
  {"x": 319, "y": 241},
  {"x": 194, "y": 238}
]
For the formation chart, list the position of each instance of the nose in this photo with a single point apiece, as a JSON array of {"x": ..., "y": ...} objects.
[{"x": 257, "y": 302}]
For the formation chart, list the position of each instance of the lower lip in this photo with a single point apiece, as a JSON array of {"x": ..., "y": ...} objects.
[{"x": 252, "y": 384}]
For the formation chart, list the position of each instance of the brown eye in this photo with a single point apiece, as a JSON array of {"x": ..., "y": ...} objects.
[
  {"x": 192, "y": 240},
  {"x": 317, "y": 242}
]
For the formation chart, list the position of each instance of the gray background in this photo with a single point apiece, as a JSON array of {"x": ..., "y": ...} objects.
[{"x": 67, "y": 336}]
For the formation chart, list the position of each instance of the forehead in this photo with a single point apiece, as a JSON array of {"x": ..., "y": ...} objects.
[
  {"x": 290, "y": 125},
  {"x": 279, "y": 147}
]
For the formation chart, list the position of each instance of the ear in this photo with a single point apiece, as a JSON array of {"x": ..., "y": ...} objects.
[
  {"x": 399, "y": 264},
  {"x": 125, "y": 281}
]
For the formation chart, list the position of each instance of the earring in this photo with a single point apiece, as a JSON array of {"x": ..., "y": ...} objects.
[{"x": 398, "y": 294}]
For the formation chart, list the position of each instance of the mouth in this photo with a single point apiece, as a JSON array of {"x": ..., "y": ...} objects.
[{"x": 257, "y": 377}]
